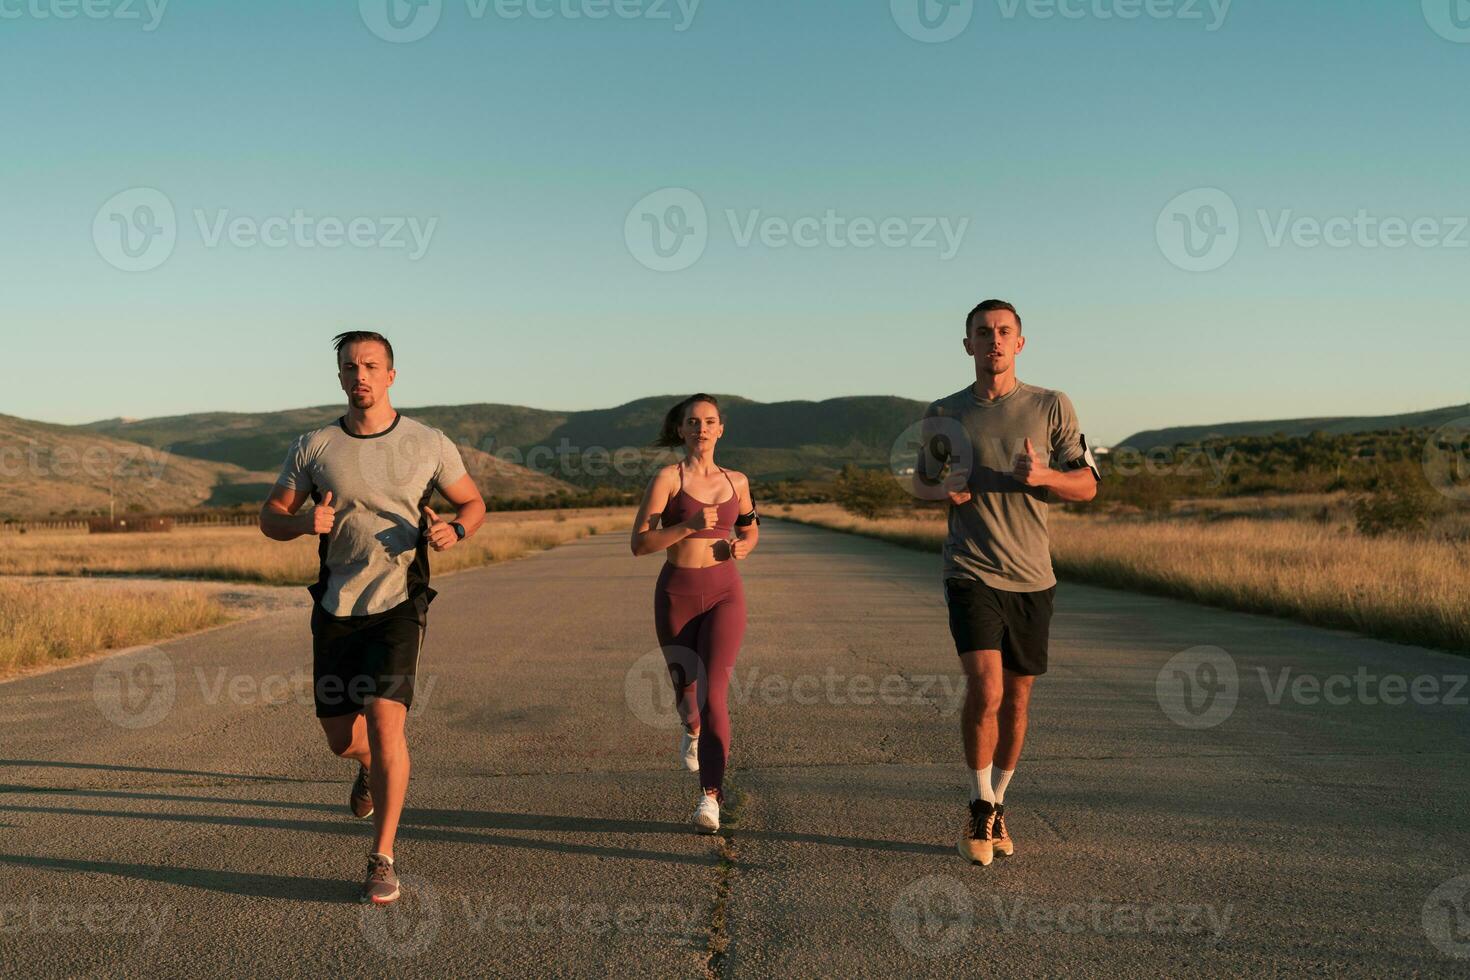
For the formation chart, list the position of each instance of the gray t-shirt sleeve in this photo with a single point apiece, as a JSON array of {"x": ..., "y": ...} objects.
[
  {"x": 451, "y": 465},
  {"x": 295, "y": 474},
  {"x": 1066, "y": 435}
]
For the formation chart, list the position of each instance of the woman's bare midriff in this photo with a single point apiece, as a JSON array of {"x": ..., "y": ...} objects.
[{"x": 698, "y": 553}]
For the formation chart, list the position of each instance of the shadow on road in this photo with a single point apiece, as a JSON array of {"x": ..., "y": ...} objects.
[
  {"x": 229, "y": 882},
  {"x": 44, "y": 764},
  {"x": 421, "y": 824}
]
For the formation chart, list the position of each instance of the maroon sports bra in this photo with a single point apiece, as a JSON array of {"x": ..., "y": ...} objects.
[{"x": 681, "y": 507}]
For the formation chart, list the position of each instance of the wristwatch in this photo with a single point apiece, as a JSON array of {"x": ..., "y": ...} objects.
[{"x": 458, "y": 529}]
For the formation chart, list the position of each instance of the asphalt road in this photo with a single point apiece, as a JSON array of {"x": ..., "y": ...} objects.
[{"x": 1203, "y": 793}]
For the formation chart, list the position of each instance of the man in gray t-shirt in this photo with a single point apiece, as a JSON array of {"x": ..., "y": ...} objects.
[
  {"x": 371, "y": 476},
  {"x": 999, "y": 451}
]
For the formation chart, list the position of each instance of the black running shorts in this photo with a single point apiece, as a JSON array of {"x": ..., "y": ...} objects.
[
  {"x": 1015, "y": 623},
  {"x": 358, "y": 658}
]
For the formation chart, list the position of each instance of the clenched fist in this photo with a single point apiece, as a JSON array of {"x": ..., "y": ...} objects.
[
  {"x": 739, "y": 548},
  {"x": 703, "y": 519}
]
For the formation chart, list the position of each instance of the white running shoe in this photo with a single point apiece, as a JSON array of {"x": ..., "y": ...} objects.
[
  {"x": 707, "y": 814},
  {"x": 689, "y": 751}
]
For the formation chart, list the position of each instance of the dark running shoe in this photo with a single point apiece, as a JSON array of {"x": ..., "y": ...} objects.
[
  {"x": 976, "y": 846},
  {"x": 1000, "y": 838},
  {"x": 381, "y": 886},
  {"x": 361, "y": 800}
]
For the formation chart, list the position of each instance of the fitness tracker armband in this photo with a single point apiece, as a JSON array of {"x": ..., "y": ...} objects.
[{"x": 745, "y": 520}]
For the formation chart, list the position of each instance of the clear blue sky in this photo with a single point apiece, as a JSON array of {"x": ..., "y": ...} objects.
[{"x": 1061, "y": 140}]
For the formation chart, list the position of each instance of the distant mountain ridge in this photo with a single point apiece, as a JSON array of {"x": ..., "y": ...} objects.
[
  {"x": 1331, "y": 425},
  {"x": 773, "y": 440}
]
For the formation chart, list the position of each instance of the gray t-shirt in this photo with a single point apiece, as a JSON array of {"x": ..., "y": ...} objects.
[
  {"x": 999, "y": 536},
  {"x": 376, "y": 556}
]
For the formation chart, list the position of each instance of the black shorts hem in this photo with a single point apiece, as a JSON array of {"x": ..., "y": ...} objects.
[
  {"x": 1018, "y": 624},
  {"x": 359, "y": 659}
]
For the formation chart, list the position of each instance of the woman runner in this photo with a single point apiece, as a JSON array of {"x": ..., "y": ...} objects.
[{"x": 689, "y": 512}]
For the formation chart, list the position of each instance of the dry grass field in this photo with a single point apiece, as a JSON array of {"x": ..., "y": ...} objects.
[
  {"x": 243, "y": 554},
  {"x": 44, "y": 622},
  {"x": 1409, "y": 589}
]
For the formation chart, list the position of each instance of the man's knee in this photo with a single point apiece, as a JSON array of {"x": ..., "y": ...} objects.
[
  {"x": 385, "y": 718},
  {"x": 983, "y": 694}
]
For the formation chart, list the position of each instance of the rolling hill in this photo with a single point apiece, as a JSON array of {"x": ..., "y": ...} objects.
[
  {"x": 1342, "y": 425},
  {"x": 55, "y": 470}
]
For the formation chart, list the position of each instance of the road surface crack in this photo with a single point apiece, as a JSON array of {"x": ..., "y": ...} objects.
[{"x": 717, "y": 948}]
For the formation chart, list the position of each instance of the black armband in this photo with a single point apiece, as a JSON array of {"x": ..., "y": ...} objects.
[
  {"x": 745, "y": 520},
  {"x": 1084, "y": 462}
]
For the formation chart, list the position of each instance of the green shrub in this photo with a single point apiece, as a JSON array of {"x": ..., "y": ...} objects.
[{"x": 868, "y": 493}]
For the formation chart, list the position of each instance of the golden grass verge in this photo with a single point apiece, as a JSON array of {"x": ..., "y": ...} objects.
[
  {"x": 42, "y": 623},
  {"x": 243, "y": 554},
  {"x": 1406, "y": 589}
]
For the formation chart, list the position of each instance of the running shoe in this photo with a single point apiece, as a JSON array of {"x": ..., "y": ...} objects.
[
  {"x": 361, "y": 800},
  {"x": 381, "y": 886},
  {"x": 707, "y": 814},
  {"x": 689, "y": 751},
  {"x": 1000, "y": 838},
  {"x": 976, "y": 846}
]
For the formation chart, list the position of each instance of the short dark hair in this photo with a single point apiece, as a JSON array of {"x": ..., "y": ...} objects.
[
  {"x": 989, "y": 306},
  {"x": 358, "y": 337},
  {"x": 668, "y": 435}
]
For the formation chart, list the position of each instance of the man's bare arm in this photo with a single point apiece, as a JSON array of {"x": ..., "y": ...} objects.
[{"x": 282, "y": 519}]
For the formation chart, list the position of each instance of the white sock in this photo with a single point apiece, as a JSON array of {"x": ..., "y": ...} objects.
[
  {"x": 383, "y": 856},
  {"x": 1002, "y": 780},
  {"x": 980, "y": 785}
]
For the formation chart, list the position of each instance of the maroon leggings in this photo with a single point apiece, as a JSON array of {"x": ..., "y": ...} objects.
[{"x": 700, "y": 617}]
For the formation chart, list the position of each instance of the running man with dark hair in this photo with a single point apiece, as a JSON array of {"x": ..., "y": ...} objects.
[
  {"x": 998, "y": 451},
  {"x": 371, "y": 475}
]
